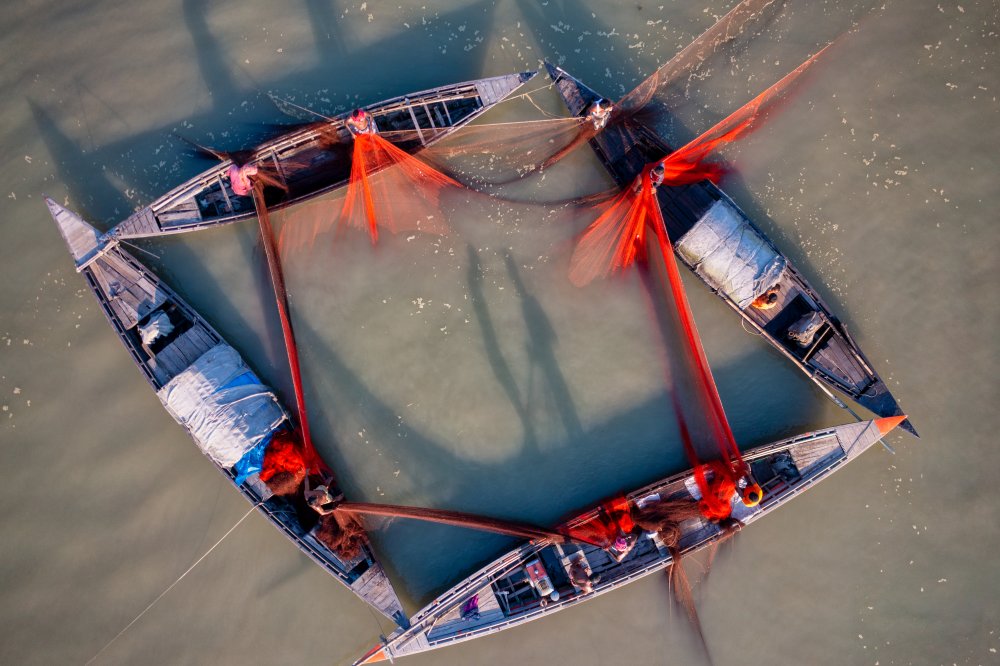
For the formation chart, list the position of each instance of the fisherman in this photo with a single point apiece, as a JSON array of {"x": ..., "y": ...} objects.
[
  {"x": 579, "y": 576},
  {"x": 241, "y": 178},
  {"x": 361, "y": 122},
  {"x": 599, "y": 112},
  {"x": 767, "y": 300},
  {"x": 749, "y": 491},
  {"x": 320, "y": 498}
]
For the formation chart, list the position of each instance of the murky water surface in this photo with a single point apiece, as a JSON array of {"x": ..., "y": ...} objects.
[{"x": 465, "y": 371}]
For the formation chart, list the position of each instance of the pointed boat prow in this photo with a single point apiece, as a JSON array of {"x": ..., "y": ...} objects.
[
  {"x": 887, "y": 424},
  {"x": 83, "y": 240},
  {"x": 373, "y": 656}
]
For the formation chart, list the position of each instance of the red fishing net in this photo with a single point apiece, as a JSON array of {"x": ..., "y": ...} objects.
[
  {"x": 613, "y": 519},
  {"x": 388, "y": 189},
  {"x": 632, "y": 228},
  {"x": 283, "y": 457}
]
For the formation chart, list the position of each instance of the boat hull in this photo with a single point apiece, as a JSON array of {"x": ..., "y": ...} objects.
[{"x": 506, "y": 599}]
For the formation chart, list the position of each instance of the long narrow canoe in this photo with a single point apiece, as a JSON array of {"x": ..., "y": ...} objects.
[
  {"x": 733, "y": 257},
  {"x": 209, "y": 389},
  {"x": 507, "y": 592},
  {"x": 316, "y": 159}
]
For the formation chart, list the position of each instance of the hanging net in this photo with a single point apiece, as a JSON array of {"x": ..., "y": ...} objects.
[
  {"x": 388, "y": 189},
  {"x": 632, "y": 228}
]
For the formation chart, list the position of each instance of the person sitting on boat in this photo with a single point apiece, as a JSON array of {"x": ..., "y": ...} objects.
[
  {"x": 599, "y": 112},
  {"x": 320, "y": 498},
  {"x": 361, "y": 122},
  {"x": 767, "y": 300},
  {"x": 241, "y": 178},
  {"x": 580, "y": 577}
]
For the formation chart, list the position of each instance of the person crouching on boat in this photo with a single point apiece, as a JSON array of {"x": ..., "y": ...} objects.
[
  {"x": 241, "y": 178},
  {"x": 599, "y": 112},
  {"x": 361, "y": 122},
  {"x": 581, "y": 578},
  {"x": 320, "y": 499}
]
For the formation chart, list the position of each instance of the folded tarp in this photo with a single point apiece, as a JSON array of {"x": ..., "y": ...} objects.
[
  {"x": 730, "y": 255},
  {"x": 223, "y": 404}
]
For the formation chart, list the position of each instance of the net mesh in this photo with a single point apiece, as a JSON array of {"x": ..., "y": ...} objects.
[{"x": 388, "y": 189}]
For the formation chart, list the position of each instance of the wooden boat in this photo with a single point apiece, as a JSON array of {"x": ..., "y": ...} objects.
[
  {"x": 517, "y": 587},
  {"x": 208, "y": 388},
  {"x": 733, "y": 257},
  {"x": 310, "y": 163}
]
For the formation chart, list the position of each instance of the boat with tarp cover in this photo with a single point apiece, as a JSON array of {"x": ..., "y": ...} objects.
[
  {"x": 316, "y": 159},
  {"x": 542, "y": 577},
  {"x": 733, "y": 257},
  {"x": 213, "y": 394}
]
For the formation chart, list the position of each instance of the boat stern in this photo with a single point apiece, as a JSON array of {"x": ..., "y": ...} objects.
[{"x": 84, "y": 241}]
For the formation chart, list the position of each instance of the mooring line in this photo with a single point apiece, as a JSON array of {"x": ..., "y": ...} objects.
[{"x": 172, "y": 585}]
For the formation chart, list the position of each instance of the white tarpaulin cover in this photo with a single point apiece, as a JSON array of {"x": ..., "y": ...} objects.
[
  {"x": 222, "y": 404},
  {"x": 730, "y": 255}
]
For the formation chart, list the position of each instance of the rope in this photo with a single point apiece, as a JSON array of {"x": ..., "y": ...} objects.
[
  {"x": 136, "y": 247},
  {"x": 173, "y": 585},
  {"x": 743, "y": 325}
]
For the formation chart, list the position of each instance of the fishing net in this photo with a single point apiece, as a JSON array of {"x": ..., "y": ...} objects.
[
  {"x": 284, "y": 468},
  {"x": 632, "y": 228},
  {"x": 341, "y": 533},
  {"x": 498, "y": 154},
  {"x": 311, "y": 458},
  {"x": 612, "y": 520},
  {"x": 388, "y": 189},
  {"x": 665, "y": 518}
]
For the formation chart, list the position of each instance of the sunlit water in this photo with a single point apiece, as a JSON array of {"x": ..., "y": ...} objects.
[{"x": 465, "y": 371}]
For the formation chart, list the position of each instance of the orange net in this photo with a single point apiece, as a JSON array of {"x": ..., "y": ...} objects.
[
  {"x": 613, "y": 518},
  {"x": 388, "y": 189},
  {"x": 312, "y": 458},
  {"x": 632, "y": 228},
  {"x": 283, "y": 454}
]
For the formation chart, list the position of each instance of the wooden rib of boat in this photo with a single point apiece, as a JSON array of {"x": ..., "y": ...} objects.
[
  {"x": 507, "y": 591},
  {"x": 830, "y": 356},
  {"x": 131, "y": 296},
  {"x": 311, "y": 164}
]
